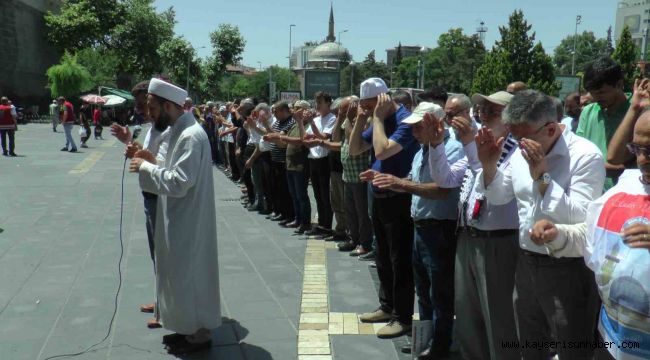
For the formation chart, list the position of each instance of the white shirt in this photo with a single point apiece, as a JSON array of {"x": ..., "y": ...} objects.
[
  {"x": 577, "y": 171},
  {"x": 265, "y": 145},
  {"x": 153, "y": 139},
  {"x": 325, "y": 125},
  {"x": 492, "y": 217}
]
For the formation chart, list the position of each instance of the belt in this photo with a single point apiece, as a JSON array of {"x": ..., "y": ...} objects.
[
  {"x": 148, "y": 195},
  {"x": 385, "y": 195},
  {"x": 474, "y": 232},
  {"x": 428, "y": 222},
  {"x": 534, "y": 254}
]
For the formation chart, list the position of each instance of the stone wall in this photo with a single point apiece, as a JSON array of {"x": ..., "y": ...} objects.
[{"x": 25, "y": 53}]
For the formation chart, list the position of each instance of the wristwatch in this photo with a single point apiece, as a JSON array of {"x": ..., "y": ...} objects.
[{"x": 544, "y": 179}]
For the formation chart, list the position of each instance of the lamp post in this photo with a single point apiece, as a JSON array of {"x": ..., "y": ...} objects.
[
  {"x": 341, "y": 32},
  {"x": 352, "y": 77},
  {"x": 575, "y": 40},
  {"x": 189, "y": 58},
  {"x": 260, "y": 64},
  {"x": 290, "y": 28}
]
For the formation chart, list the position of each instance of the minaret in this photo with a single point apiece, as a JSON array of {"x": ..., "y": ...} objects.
[{"x": 330, "y": 35}]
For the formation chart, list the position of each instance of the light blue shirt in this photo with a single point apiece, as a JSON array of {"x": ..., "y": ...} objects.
[{"x": 444, "y": 209}]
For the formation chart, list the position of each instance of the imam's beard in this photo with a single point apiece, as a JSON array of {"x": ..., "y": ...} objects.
[{"x": 163, "y": 121}]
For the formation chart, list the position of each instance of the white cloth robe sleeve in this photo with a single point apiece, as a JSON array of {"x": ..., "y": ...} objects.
[
  {"x": 451, "y": 176},
  {"x": 173, "y": 182}
]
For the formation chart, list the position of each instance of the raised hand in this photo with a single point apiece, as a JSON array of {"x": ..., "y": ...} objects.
[
  {"x": 464, "y": 129},
  {"x": 534, "y": 155},
  {"x": 543, "y": 232},
  {"x": 489, "y": 148},
  {"x": 122, "y": 133},
  {"x": 434, "y": 129},
  {"x": 385, "y": 107},
  {"x": 641, "y": 96}
]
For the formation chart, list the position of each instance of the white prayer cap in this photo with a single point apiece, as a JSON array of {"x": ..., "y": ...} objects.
[
  {"x": 167, "y": 91},
  {"x": 222, "y": 108},
  {"x": 371, "y": 88},
  {"x": 424, "y": 108}
]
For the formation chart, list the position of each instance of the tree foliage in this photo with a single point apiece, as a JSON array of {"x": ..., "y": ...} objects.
[
  {"x": 588, "y": 47},
  {"x": 240, "y": 86},
  {"x": 175, "y": 55},
  {"x": 516, "y": 57},
  {"x": 68, "y": 78},
  {"x": 100, "y": 64},
  {"x": 626, "y": 53}
]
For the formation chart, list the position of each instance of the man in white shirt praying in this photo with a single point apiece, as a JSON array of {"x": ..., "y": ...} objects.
[{"x": 554, "y": 175}]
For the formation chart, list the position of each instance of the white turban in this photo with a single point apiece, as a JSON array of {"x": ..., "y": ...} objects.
[{"x": 167, "y": 91}]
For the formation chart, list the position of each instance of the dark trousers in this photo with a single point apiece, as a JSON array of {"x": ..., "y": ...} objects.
[
  {"x": 232, "y": 162},
  {"x": 265, "y": 160},
  {"x": 356, "y": 214},
  {"x": 393, "y": 226},
  {"x": 319, "y": 174},
  {"x": 282, "y": 202},
  {"x": 557, "y": 300},
  {"x": 297, "y": 181},
  {"x": 98, "y": 130},
  {"x": 214, "y": 147},
  {"x": 11, "y": 134},
  {"x": 434, "y": 250},
  {"x": 150, "y": 204},
  {"x": 248, "y": 179}
]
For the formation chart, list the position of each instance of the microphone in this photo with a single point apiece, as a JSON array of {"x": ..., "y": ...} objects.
[{"x": 136, "y": 132}]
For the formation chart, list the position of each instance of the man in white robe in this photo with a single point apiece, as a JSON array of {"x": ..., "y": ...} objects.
[{"x": 187, "y": 274}]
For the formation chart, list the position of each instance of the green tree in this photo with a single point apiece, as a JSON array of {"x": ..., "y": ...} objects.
[
  {"x": 100, "y": 64},
  {"x": 521, "y": 57},
  {"x": 626, "y": 54},
  {"x": 371, "y": 68},
  {"x": 588, "y": 47},
  {"x": 68, "y": 78},
  {"x": 452, "y": 64},
  {"x": 174, "y": 55},
  {"x": 351, "y": 75},
  {"x": 132, "y": 30},
  {"x": 406, "y": 73},
  {"x": 227, "y": 47}
]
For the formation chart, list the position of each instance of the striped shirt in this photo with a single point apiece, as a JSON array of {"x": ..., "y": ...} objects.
[{"x": 279, "y": 154}]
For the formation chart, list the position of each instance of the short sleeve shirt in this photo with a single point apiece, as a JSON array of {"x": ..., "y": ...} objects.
[
  {"x": 279, "y": 154},
  {"x": 296, "y": 154},
  {"x": 399, "y": 164},
  {"x": 325, "y": 125}
]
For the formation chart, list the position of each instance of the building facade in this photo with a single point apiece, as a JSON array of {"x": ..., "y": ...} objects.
[
  {"x": 407, "y": 51},
  {"x": 26, "y": 53},
  {"x": 636, "y": 15}
]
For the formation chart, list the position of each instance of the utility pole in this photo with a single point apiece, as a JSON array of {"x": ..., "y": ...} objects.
[
  {"x": 575, "y": 41},
  {"x": 290, "y": 28}
]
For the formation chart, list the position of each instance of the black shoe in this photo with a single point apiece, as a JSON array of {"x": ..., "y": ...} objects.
[
  {"x": 73, "y": 150},
  {"x": 12, "y": 154},
  {"x": 264, "y": 212},
  {"x": 292, "y": 225},
  {"x": 347, "y": 246},
  {"x": 253, "y": 208},
  {"x": 172, "y": 339},
  {"x": 314, "y": 231},
  {"x": 301, "y": 230},
  {"x": 64, "y": 149},
  {"x": 406, "y": 349},
  {"x": 368, "y": 257},
  {"x": 4, "y": 153},
  {"x": 185, "y": 347},
  {"x": 431, "y": 354},
  {"x": 277, "y": 218},
  {"x": 284, "y": 222}
]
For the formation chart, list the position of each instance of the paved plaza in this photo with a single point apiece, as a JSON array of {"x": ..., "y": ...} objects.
[{"x": 283, "y": 296}]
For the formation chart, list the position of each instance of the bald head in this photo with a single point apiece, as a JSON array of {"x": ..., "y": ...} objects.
[{"x": 516, "y": 86}]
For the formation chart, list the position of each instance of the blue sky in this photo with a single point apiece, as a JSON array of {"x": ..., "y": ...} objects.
[{"x": 377, "y": 25}]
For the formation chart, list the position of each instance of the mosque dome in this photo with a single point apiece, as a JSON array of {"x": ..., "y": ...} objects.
[{"x": 328, "y": 51}]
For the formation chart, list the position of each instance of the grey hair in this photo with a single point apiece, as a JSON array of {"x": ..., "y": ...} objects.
[
  {"x": 462, "y": 99},
  {"x": 437, "y": 111},
  {"x": 559, "y": 108},
  {"x": 529, "y": 106},
  {"x": 263, "y": 107},
  {"x": 336, "y": 103}
]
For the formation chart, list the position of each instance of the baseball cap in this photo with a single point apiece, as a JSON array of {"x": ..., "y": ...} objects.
[
  {"x": 499, "y": 98},
  {"x": 222, "y": 108},
  {"x": 371, "y": 88},
  {"x": 423, "y": 108}
]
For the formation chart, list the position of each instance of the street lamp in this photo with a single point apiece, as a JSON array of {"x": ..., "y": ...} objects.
[
  {"x": 260, "y": 64},
  {"x": 290, "y": 28},
  {"x": 575, "y": 40},
  {"x": 189, "y": 58},
  {"x": 352, "y": 77},
  {"x": 341, "y": 32}
]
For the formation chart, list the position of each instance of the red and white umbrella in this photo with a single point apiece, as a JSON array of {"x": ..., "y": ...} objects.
[{"x": 93, "y": 99}]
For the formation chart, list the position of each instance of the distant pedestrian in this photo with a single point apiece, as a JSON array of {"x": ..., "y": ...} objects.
[
  {"x": 97, "y": 121},
  {"x": 84, "y": 118},
  {"x": 7, "y": 127},
  {"x": 67, "y": 119},
  {"x": 54, "y": 115}
]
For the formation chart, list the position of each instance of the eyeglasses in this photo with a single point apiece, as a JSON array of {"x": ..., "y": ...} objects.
[
  {"x": 450, "y": 115},
  {"x": 542, "y": 127},
  {"x": 489, "y": 111},
  {"x": 638, "y": 149}
]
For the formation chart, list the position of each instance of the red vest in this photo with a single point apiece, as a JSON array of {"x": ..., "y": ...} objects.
[
  {"x": 67, "y": 106},
  {"x": 6, "y": 120}
]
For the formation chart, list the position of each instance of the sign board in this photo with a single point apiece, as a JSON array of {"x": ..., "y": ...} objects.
[
  {"x": 569, "y": 84},
  {"x": 322, "y": 80},
  {"x": 289, "y": 96}
]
